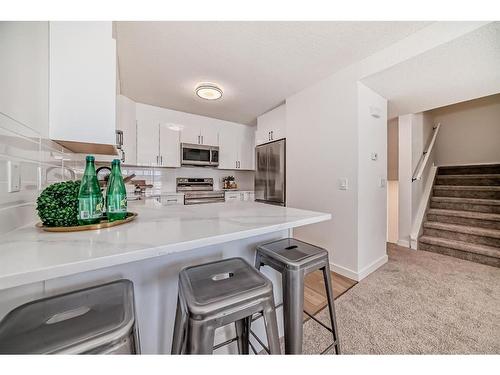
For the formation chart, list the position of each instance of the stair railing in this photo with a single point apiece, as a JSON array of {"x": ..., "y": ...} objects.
[{"x": 422, "y": 163}]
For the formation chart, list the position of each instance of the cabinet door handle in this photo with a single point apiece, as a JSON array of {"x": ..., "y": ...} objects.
[
  {"x": 157, "y": 159},
  {"x": 161, "y": 159},
  {"x": 202, "y": 142}
]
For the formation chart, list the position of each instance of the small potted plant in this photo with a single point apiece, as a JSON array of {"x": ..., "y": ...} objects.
[{"x": 229, "y": 182}]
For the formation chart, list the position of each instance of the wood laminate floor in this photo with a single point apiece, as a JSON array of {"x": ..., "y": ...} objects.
[{"x": 314, "y": 290}]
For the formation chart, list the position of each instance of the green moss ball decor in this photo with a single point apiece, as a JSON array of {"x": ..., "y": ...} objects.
[{"x": 57, "y": 205}]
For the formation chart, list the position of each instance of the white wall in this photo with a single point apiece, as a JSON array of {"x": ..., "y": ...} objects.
[
  {"x": 469, "y": 133},
  {"x": 372, "y": 179},
  {"x": 415, "y": 132}
]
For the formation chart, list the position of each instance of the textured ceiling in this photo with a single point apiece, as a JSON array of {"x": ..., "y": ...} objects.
[
  {"x": 463, "y": 69},
  {"x": 257, "y": 64}
]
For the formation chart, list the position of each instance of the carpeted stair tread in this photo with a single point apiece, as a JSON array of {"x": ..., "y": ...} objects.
[
  {"x": 470, "y": 169},
  {"x": 467, "y": 176},
  {"x": 467, "y": 214},
  {"x": 486, "y": 202},
  {"x": 489, "y": 251},
  {"x": 493, "y": 233},
  {"x": 467, "y": 187}
]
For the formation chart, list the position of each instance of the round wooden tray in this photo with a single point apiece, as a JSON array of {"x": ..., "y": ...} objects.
[{"x": 103, "y": 224}]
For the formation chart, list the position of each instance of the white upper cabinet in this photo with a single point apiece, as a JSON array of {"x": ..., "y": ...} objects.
[
  {"x": 170, "y": 155},
  {"x": 126, "y": 123},
  {"x": 228, "y": 147},
  {"x": 271, "y": 126},
  {"x": 148, "y": 146},
  {"x": 246, "y": 152},
  {"x": 206, "y": 134},
  {"x": 82, "y": 64},
  {"x": 237, "y": 147},
  {"x": 190, "y": 134}
]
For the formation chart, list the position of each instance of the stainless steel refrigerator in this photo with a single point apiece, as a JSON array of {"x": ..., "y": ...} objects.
[{"x": 270, "y": 169}]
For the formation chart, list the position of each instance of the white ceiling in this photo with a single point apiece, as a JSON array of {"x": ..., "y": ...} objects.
[
  {"x": 463, "y": 69},
  {"x": 257, "y": 64}
]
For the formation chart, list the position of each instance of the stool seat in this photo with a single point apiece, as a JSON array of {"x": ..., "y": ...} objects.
[
  {"x": 90, "y": 320},
  {"x": 215, "y": 294},
  {"x": 294, "y": 253},
  {"x": 212, "y": 287}
]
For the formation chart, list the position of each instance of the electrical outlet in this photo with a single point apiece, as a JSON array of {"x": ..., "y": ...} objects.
[
  {"x": 13, "y": 176},
  {"x": 374, "y": 156}
]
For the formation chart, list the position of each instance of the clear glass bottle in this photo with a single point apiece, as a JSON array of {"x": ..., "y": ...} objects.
[
  {"x": 90, "y": 202},
  {"x": 116, "y": 195}
]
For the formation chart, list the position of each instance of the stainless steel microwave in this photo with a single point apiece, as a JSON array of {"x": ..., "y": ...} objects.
[{"x": 200, "y": 155}]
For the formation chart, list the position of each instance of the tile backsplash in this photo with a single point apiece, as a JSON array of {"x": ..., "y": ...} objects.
[
  {"x": 43, "y": 162},
  {"x": 164, "y": 179}
]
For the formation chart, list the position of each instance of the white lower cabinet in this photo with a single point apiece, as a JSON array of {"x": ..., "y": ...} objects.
[
  {"x": 172, "y": 199},
  {"x": 239, "y": 196}
]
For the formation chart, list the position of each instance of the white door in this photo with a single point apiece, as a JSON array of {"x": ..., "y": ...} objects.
[
  {"x": 148, "y": 134},
  {"x": 191, "y": 134},
  {"x": 170, "y": 152},
  {"x": 228, "y": 148},
  {"x": 246, "y": 150}
]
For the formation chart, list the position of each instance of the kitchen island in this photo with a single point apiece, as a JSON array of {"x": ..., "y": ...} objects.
[{"x": 150, "y": 251}]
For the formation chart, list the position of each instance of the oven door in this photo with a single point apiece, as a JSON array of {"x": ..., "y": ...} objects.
[{"x": 195, "y": 154}]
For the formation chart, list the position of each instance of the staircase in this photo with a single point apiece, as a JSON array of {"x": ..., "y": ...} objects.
[{"x": 463, "y": 220}]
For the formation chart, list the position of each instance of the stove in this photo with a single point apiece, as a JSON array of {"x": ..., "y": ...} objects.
[{"x": 198, "y": 190}]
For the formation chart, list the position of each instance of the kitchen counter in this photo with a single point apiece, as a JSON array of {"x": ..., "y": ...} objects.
[
  {"x": 150, "y": 251},
  {"x": 29, "y": 254}
]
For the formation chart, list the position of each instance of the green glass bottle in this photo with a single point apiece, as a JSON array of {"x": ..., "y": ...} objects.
[
  {"x": 116, "y": 195},
  {"x": 90, "y": 202}
]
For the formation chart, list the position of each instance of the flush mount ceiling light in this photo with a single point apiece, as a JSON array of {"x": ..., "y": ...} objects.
[{"x": 208, "y": 91}]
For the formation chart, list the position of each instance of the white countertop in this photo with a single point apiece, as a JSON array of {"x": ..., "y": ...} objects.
[{"x": 30, "y": 255}]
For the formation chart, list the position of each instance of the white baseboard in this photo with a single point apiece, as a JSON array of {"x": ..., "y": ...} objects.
[
  {"x": 344, "y": 271},
  {"x": 372, "y": 267},
  {"x": 404, "y": 243},
  {"x": 358, "y": 276}
]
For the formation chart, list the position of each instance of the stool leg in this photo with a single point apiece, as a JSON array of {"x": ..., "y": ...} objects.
[
  {"x": 242, "y": 333},
  {"x": 331, "y": 307},
  {"x": 200, "y": 337},
  {"x": 180, "y": 325},
  {"x": 271, "y": 324},
  {"x": 293, "y": 309}
]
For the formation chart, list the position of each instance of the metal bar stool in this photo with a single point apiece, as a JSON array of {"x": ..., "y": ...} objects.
[
  {"x": 294, "y": 259},
  {"x": 96, "y": 320},
  {"x": 215, "y": 294}
]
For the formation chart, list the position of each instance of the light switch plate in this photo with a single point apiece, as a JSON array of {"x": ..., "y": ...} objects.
[
  {"x": 383, "y": 183},
  {"x": 13, "y": 176},
  {"x": 343, "y": 183}
]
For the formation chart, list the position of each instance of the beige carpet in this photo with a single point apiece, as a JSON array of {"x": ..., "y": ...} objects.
[{"x": 417, "y": 303}]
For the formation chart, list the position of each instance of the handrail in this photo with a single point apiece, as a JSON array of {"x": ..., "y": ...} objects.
[{"x": 417, "y": 175}]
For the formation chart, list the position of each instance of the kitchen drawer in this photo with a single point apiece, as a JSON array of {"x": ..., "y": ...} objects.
[
  {"x": 232, "y": 196},
  {"x": 168, "y": 200}
]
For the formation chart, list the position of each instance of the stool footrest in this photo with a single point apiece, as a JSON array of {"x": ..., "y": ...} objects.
[
  {"x": 317, "y": 321},
  {"x": 225, "y": 343},
  {"x": 260, "y": 342}
]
